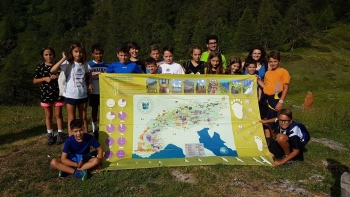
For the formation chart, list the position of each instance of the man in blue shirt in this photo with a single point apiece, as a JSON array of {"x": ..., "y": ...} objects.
[{"x": 124, "y": 65}]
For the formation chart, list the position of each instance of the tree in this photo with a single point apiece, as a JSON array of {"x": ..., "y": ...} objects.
[{"x": 327, "y": 18}]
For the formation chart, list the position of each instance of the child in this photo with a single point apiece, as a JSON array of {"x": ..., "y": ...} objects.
[
  {"x": 78, "y": 79},
  {"x": 194, "y": 66},
  {"x": 124, "y": 65},
  {"x": 214, "y": 64},
  {"x": 250, "y": 67},
  {"x": 154, "y": 53},
  {"x": 169, "y": 66},
  {"x": 50, "y": 94},
  {"x": 76, "y": 158},
  {"x": 134, "y": 49},
  {"x": 290, "y": 140},
  {"x": 151, "y": 65},
  {"x": 96, "y": 65},
  {"x": 235, "y": 66},
  {"x": 275, "y": 88}
]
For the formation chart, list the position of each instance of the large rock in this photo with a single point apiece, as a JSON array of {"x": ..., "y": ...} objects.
[{"x": 345, "y": 184}]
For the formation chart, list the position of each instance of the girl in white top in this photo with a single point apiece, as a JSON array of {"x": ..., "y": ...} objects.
[
  {"x": 78, "y": 79},
  {"x": 170, "y": 67}
]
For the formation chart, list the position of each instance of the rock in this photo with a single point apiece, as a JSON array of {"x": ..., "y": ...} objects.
[
  {"x": 189, "y": 178},
  {"x": 345, "y": 184},
  {"x": 330, "y": 143},
  {"x": 316, "y": 177}
]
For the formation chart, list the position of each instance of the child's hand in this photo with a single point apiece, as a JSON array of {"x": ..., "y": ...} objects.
[
  {"x": 47, "y": 79},
  {"x": 263, "y": 121},
  {"x": 91, "y": 87},
  {"x": 278, "y": 106},
  {"x": 53, "y": 77},
  {"x": 64, "y": 55},
  {"x": 95, "y": 73},
  {"x": 80, "y": 164},
  {"x": 277, "y": 163}
]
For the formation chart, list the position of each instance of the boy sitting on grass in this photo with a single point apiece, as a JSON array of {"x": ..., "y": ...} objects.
[
  {"x": 290, "y": 138},
  {"x": 76, "y": 158}
]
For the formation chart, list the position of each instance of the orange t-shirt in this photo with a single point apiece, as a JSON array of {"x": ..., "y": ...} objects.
[{"x": 274, "y": 81}]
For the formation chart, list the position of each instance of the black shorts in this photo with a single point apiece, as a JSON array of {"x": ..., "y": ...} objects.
[
  {"x": 72, "y": 101},
  {"x": 94, "y": 100},
  {"x": 278, "y": 152}
]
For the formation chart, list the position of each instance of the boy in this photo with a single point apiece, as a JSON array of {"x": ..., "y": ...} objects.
[
  {"x": 170, "y": 67},
  {"x": 76, "y": 158},
  {"x": 124, "y": 65},
  {"x": 250, "y": 68},
  {"x": 96, "y": 65},
  {"x": 134, "y": 49},
  {"x": 154, "y": 53},
  {"x": 275, "y": 88},
  {"x": 290, "y": 140},
  {"x": 212, "y": 45},
  {"x": 151, "y": 65}
]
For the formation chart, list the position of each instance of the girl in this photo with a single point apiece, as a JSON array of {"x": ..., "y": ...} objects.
[
  {"x": 214, "y": 64},
  {"x": 235, "y": 66},
  {"x": 194, "y": 66},
  {"x": 49, "y": 94},
  {"x": 78, "y": 79}
]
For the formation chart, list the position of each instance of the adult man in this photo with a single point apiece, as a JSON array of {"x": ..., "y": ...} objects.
[{"x": 212, "y": 45}]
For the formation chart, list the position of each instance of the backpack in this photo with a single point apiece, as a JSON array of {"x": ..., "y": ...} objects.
[
  {"x": 63, "y": 78},
  {"x": 305, "y": 132}
]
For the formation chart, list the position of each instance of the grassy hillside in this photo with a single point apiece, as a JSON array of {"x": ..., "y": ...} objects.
[{"x": 323, "y": 69}]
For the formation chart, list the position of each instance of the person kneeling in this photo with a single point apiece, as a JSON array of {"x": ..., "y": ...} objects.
[
  {"x": 76, "y": 158},
  {"x": 290, "y": 139}
]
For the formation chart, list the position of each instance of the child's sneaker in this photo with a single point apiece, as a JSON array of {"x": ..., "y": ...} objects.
[
  {"x": 62, "y": 174},
  {"x": 81, "y": 174},
  {"x": 60, "y": 139},
  {"x": 50, "y": 138}
]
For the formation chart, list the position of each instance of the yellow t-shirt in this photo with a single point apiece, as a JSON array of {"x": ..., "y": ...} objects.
[{"x": 274, "y": 81}]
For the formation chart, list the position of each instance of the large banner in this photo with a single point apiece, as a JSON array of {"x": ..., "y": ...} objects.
[{"x": 179, "y": 120}]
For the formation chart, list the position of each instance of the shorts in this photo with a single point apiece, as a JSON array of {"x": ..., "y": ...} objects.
[
  {"x": 94, "y": 100},
  {"x": 72, "y": 101},
  {"x": 278, "y": 152},
  {"x": 78, "y": 157},
  {"x": 55, "y": 104}
]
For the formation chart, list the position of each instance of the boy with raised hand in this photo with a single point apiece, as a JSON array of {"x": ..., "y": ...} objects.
[
  {"x": 124, "y": 65},
  {"x": 76, "y": 158},
  {"x": 169, "y": 66},
  {"x": 96, "y": 65},
  {"x": 275, "y": 89},
  {"x": 212, "y": 45}
]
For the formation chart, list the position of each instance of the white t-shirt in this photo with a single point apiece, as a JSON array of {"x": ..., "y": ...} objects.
[
  {"x": 173, "y": 68},
  {"x": 76, "y": 84}
]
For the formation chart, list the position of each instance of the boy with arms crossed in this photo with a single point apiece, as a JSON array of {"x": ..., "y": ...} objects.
[
  {"x": 76, "y": 157},
  {"x": 275, "y": 89},
  {"x": 96, "y": 65}
]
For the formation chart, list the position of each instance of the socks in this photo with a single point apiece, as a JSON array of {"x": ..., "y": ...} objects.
[
  {"x": 49, "y": 131},
  {"x": 59, "y": 131}
]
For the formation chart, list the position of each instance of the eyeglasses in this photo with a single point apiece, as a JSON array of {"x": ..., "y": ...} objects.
[
  {"x": 212, "y": 42},
  {"x": 284, "y": 121}
]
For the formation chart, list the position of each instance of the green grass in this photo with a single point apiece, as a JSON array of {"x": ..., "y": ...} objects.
[{"x": 322, "y": 69}]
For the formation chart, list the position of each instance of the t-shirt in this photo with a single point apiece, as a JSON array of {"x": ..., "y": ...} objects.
[
  {"x": 274, "y": 81},
  {"x": 118, "y": 67},
  {"x": 76, "y": 81},
  {"x": 205, "y": 55},
  {"x": 141, "y": 65},
  {"x": 261, "y": 72},
  {"x": 96, "y": 67},
  {"x": 191, "y": 69},
  {"x": 49, "y": 91},
  {"x": 173, "y": 68},
  {"x": 74, "y": 147}
]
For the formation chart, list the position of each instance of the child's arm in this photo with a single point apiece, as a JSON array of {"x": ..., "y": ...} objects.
[
  {"x": 264, "y": 121},
  {"x": 55, "y": 68},
  {"x": 99, "y": 153},
  {"x": 66, "y": 161},
  {"x": 283, "y": 96},
  {"x": 293, "y": 154},
  {"x": 261, "y": 83}
]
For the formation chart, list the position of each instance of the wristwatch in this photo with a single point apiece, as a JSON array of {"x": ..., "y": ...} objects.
[{"x": 280, "y": 101}]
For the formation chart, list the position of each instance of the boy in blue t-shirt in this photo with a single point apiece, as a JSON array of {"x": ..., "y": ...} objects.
[
  {"x": 76, "y": 158},
  {"x": 96, "y": 65},
  {"x": 124, "y": 65}
]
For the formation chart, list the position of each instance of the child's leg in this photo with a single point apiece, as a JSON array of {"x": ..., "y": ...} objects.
[
  {"x": 82, "y": 115},
  {"x": 71, "y": 116},
  {"x": 59, "y": 118},
  {"x": 57, "y": 164},
  {"x": 93, "y": 162},
  {"x": 283, "y": 141},
  {"x": 48, "y": 117}
]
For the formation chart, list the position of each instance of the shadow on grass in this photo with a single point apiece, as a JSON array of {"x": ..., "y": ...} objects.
[
  {"x": 337, "y": 169},
  {"x": 22, "y": 135}
]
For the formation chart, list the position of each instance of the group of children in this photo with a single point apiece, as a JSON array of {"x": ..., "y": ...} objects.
[{"x": 82, "y": 86}]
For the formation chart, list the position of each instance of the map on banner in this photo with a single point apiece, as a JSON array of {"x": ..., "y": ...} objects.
[{"x": 178, "y": 120}]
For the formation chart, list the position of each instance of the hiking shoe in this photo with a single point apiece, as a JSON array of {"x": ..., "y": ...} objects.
[
  {"x": 60, "y": 139},
  {"x": 50, "y": 139},
  {"x": 80, "y": 174},
  {"x": 62, "y": 174},
  {"x": 96, "y": 134}
]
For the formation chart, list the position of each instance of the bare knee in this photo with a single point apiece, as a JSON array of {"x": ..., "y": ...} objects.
[
  {"x": 54, "y": 162},
  {"x": 282, "y": 138}
]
